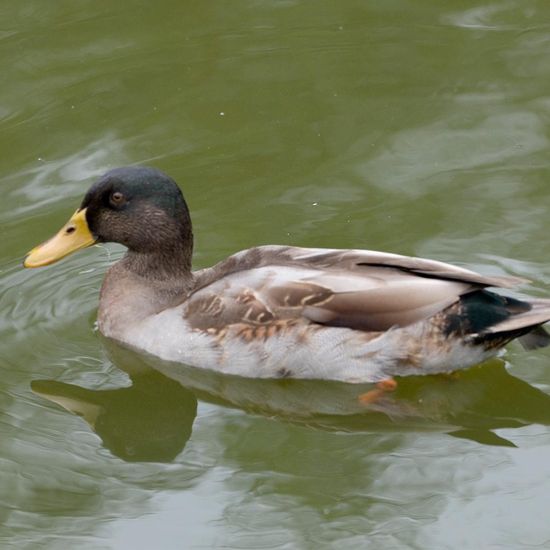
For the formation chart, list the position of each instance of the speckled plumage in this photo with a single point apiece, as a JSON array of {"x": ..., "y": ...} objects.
[{"x": 279, "y": 311}]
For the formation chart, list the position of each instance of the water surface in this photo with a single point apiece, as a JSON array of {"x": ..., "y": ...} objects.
[{"x": 417, "y": 128}]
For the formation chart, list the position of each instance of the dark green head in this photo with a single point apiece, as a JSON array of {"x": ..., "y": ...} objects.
[{"x": 137, "y": 206}]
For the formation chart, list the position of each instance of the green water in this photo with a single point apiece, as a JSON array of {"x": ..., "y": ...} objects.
[{"x": 414, "y": 127}]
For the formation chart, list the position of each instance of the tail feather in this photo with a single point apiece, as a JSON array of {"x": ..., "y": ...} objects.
[
  {"x": 526, "y": 326},
  {"x": 538, "y": 314},
  {"x": 494, "y": 320}
]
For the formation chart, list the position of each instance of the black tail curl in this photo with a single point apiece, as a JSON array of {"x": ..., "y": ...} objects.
[{"x": 477, "y": 316}]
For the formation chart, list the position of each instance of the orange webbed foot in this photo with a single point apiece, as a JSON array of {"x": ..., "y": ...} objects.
[{"x": 382, "y": 387}]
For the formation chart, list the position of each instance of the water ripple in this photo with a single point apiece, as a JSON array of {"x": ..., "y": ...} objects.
[
  {"x": 55, "y": 181},
  {"x": 52, "y": 296}
]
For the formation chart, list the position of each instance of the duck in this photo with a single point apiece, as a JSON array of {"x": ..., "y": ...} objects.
[{"x": 276, "y": 311}]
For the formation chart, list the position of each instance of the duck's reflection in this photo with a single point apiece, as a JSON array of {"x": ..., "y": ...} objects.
[{"x": 152, "y": 420}]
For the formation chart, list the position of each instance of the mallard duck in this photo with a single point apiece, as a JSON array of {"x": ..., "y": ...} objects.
[{"x": 282, "y": 311}]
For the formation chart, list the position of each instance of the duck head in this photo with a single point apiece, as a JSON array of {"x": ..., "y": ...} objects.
[{"x": 139, "y": 207}]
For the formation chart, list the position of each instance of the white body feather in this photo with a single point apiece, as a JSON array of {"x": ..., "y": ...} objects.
[
  {"x": 305, "y": 349},
  {"x": 331, "y": 353}
]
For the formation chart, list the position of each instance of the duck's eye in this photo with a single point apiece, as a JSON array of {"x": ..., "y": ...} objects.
[{"x": 117, "y": 198}]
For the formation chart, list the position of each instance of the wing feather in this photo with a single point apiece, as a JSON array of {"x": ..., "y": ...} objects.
[{"x": 359, "y": 289}]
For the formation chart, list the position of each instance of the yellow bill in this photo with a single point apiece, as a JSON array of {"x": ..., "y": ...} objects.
[{"x": 74, "y": 235}]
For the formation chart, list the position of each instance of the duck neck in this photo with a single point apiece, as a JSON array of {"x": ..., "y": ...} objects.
[
  {"x": 141, "y": 285},
  {"x": 164, "y": 266}
]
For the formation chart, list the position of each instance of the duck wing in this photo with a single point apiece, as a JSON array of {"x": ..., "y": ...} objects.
[{"x": 357, "y": 289}]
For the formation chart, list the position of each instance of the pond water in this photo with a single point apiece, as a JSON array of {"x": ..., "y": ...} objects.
[{"x": 414, "y": 127}]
